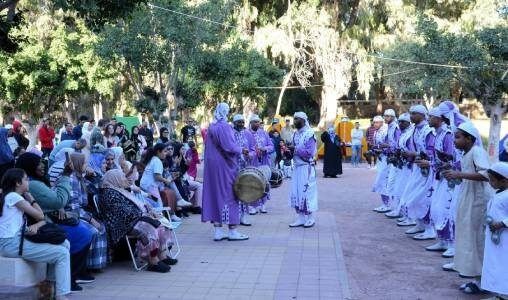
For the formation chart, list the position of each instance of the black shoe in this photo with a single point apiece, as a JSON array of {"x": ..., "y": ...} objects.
[
  {"x": 196, "y": 210},
  {"x": 85, "y": 279},
  {"x": 170, "y": 261},
  {"x": 185, "y": 214},
  {"x": 179, "y": 214},
  {"x": 160, "y": 267},
  {"x": 75, "y": 287}
]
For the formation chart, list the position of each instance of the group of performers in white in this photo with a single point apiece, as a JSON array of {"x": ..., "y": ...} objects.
[
  {"x": 231, "y": 148},
  {"x": 433, "y": 174}
]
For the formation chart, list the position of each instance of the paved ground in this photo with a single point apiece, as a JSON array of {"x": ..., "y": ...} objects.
[{"x": 351, "y": 253}]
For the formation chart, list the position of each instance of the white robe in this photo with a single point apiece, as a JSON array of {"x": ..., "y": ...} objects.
[
  {"x": 471, "y": 208},
  {"x": 381, "y": 165},
  {"x": 495, "y": 260}
]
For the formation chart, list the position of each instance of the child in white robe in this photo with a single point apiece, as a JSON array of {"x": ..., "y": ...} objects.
[{"x": 495, "y": 258}]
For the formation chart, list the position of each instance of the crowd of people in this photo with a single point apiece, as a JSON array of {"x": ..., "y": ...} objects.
[
  {"x": 433, "y": 175},
  {"x": 71, "y": 202}
]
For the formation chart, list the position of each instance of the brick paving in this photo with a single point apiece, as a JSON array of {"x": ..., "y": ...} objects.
[{"x": 336, "y": 259}]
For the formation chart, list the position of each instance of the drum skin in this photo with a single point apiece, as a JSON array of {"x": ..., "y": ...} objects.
[
  {"x": 250, "y": 184},
  {"x": 276, "y": 178}
]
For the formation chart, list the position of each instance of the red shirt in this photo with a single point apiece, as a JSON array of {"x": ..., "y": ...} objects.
[
  {"x": 192, "y": 168},
  {"x": 46, "y": 136}
]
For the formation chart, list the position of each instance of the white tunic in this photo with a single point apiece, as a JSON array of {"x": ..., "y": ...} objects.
[
  {"x": 495, "y": 260},
  {"x": 381, "y": 165},
  {"x": 402, "y": 179}
]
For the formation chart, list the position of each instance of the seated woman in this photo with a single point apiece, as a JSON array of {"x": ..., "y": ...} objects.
[
  {"x": 109, "y": 159},
  {"x": 14, "y": 202},
  {"x": 190, "y": 189},
  {"x": 123, "y": 214},
  {"x": 56, "y": 169},
  {"x": 78, "y": 205},
  {"x": 51, "y": 201}
]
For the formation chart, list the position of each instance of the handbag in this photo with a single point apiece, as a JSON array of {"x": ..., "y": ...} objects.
[
  {"x": 69, "y": 221},
  {"x": 48, "y": 233}
]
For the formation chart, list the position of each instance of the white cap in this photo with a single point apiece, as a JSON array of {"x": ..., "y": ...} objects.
[
  {"x": 390, "y": 112},
  {"x": 378, "y": 119},
  {"x": 418, "y": 109},
  {"x": 254, "y": 118},
  {"x": 500, "y": 168},
  {"x": 435, "y": 112},
  {"x": 405, "y": 117},
  {"x": 238, "y": 117},
  {"x": 301, "y": 115},
  {"x": 470, "y": 128}
]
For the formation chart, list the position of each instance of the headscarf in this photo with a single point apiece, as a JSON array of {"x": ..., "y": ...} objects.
[
  {"x": 59, "y": 161},
  {"x": 500, "y": 168},
  {"x": 238, "y": 117},
  {"x": 450, "y": 111},
  {"x": 331, "y": 132},
  {"x": 470, "y": 129},
  {"x": 405, "y": 117},
  {"x": 117, "y": 153},
  {"x": 221, "y": 112},
  {"x": 435, "y": 112},
  {"x": 377, "y": 119},
  {"x": 6, "y": 155},
  {"x": 303, "y": 116},
  {"x": 30, "y": 162},
  {"x": 254, "y": 118},
  {"x": 78, "y": 161},
  {"x": 389, "y": 112},
  {"x": 115, "y": 179},
  {"x": 418, "y": 109},
  {"x": 95, "y": 162}
]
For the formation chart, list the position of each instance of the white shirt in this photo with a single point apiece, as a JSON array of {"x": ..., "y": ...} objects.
[
  {"x": 12, "y": 143},
  {"x": 11, "y": 220},
  {"x": 356, "y": 136},
  {"x": 147, "y": 181}
]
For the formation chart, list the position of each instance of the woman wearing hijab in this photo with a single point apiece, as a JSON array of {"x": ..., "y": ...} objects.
[
  {"x": 6, "y": 156},
  {"x": 139, "y": 144},
  {"x": 119, "y": 158},
  {"x": 124, "y": 214},
  {"x": 221, "y": 159},
  {"x": 56, "y": 169},
  {"x": 54, "y": 200},
  {"x": 332, "y": 162}
]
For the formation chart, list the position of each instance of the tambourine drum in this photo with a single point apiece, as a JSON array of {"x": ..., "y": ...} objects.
[
  {"x": 251, "y": 183},
  {"x": 276, "y": 177}
]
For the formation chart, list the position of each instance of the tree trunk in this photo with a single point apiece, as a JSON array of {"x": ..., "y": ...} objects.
[
  {"x": 329, "y": 96},
  {"x": 496, "y": 117},
  {"x": 285, "y": 83}
]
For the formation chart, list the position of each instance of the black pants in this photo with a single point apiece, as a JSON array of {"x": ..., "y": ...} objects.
[
  {"x": 46, "y": 151},
  {"x": 78, "y": 263}
]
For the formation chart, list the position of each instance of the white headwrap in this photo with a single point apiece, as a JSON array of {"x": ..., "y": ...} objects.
[
  {"x": 435, "y": 112},
  {"x": 221, "y": 112},
  {"x": 418, "y": 109},
  {"x": 378, "y": 119},
  {"x": 389, "y": 112},
  {"x": 405, "y": 117},
  {"x": 254, "y": 118},
  {"x": 500, "y": 168},
  {"x": 117, "y": 152},
  {"x": 238, "y": 117},
  {"x": 303, "y": 116},
  {"x": 471, "y": 129}
]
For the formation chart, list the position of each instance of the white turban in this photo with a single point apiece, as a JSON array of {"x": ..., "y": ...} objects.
[
  {"x": 390, "y": 112},
  {"x": 238, "y": 117},
  {"x": 378, "y": 119},
  {"x": 221, "y": 112},
  {"x": 254, "y": 118},
  {"x": 435, "y": 112},
  {"x": 405, "y": 117},
  {"x": 500, "y": 168},
  {"x": 418, "y": 109},
  {"x": 471, "y": 129},
  {"x": 301, "y": 115}
]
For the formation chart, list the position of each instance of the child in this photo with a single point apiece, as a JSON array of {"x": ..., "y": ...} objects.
[
  {"x": 286, "y": 164},
  {"x": 495, "y": 259},
  {"x": 471, "y": 207},
  {"x": 15, "y": 202},
  {"x": 192, "y": 160}
]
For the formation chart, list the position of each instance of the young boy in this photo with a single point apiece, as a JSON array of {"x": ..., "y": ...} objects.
[
  {"x": 495, "y": 259},
  {"x": 286, "y": 163},
  {"x": 471, "y": 207}
]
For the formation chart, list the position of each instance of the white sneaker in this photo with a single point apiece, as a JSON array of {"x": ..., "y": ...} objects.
[
  {"x": 449, "y": 253},
  {"x": 263, "y": 209},
  {"x": 234, "y": 235},
  {"x": 439, "y": 246},
  {"x": 175, "y": 218},
  {"x": 252, "y": 210},
  {"x": 183, "y": 203},
  {"x": 309, "y": 223},
  {"x": 300, "y": 221},
  {"x": 426, "y": 235},
  {"x": 219, "y": 235},
  {"x": 244, "y": 221},
  {"x": 449, "y": 267},
  {"x": 415, "y": 229},
  {"x": 382, "y": 209},
  {"x": 392, "y": 214},
  {"x": 406, "y": 222}
]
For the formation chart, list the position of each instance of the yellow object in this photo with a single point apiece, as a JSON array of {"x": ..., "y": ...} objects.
[
  {"x": 343, "y": 130},
  {"x": 277, "y": 126}
]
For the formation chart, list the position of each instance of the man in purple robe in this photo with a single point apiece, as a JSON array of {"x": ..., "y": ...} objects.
[
  {"x": 220, "y": 169},
  {"x": 264, "y": 147},
  {"x": 244, "y": 139}
]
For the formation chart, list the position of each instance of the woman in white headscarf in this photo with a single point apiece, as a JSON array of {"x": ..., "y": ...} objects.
[{"x": 56, "y": 169}]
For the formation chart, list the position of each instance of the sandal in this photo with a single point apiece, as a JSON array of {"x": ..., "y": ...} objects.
[{"x": 472, "y": 288}]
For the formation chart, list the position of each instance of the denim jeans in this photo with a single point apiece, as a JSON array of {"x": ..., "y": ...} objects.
[
  {"x": 355, "y": 156},
  {"x": 56, "y": 256}
]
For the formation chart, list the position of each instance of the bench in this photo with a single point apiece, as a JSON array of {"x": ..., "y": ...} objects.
[{"x": 19, "y": 278}]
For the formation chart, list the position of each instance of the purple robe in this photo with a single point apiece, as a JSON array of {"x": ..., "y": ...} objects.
[
  {"x": 245, "y": 139},
  {"x": 263, "y": 143},
  {"x": 220, "y": 169}
]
